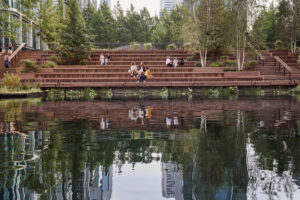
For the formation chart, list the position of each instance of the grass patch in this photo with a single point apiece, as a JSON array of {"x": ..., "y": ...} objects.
[{"x": 21, "y": 91}]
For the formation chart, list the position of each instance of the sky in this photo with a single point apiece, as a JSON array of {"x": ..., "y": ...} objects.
[{"x": 152, "y": 5}]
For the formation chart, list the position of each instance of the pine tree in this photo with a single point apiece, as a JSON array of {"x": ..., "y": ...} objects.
[
  {"x": 109, "y": 25},
  {"x": 49, "y": 23},
  {"x": 122, "y": 33},
  {"x": 75, "y": 40}
]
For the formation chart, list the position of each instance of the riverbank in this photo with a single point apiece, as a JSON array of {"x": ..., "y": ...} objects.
[{"x": 33, "y": 92}]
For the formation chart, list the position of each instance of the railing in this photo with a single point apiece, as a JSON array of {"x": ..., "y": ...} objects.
[
  {"x": 13, "y": 57},
  {"x": 281, "y": 64},
  {"x": 259, "y": 57}
]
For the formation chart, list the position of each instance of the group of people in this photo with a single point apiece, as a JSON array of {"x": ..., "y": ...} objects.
[
  {"x": 6, "y": 54},
  {"x": 104, "y": 60},
  {"x": 142, "y": 72},
  {"x": 174, "y": 62}
]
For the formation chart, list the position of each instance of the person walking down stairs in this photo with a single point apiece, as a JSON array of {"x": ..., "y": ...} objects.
[{"x": 6, "y": 61}]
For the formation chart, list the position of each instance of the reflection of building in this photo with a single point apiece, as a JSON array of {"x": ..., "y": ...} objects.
[
  {"x": 172, "y": 181},
  {"x": 169, "y": 4},
  {"x": 93, "y": 184}
]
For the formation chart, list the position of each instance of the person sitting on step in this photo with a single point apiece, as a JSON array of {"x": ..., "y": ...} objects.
[
  {"x": 106, "y": 61},
  {"x": 181, "y": 61},
  {"x": 142, "y": 69},
  {"x": 146, "y": 75},
  {"x": 168, "y": 62},
  {"x": 133, "y": 70},
  {"x": 175, "y": 62},
  {"x": 101, "y": 59}
]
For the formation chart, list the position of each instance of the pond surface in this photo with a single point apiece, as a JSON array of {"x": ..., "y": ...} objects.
[{"x": 150, "y": 149}]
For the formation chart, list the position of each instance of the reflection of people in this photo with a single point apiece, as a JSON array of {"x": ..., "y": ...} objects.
[
  {"x": 107, "y": 123},
  {"x": 168, "y": 121},
  {"x": 149, "y": 112},
  {"x": 175, "y": 120},
  {"x": 102, "y": 124}
]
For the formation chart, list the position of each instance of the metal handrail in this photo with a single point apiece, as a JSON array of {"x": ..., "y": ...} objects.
[
  {"x": 260, "y": 57},
  {"x": 13, "y": 57},
  {"x": 282, "y": 64}
]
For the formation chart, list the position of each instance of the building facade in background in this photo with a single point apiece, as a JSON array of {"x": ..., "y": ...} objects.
[
  {"x": 26, "y": 29},
  {"x": 169, "y": 4}
]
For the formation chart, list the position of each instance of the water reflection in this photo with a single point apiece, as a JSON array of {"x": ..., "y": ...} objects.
[{"x": 204, "y": 149}]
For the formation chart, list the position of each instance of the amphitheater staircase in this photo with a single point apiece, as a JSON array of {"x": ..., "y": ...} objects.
[{"x": 116, "y": 73}]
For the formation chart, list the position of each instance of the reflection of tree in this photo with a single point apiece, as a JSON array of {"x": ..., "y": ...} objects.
[
  {"x": 12, "y": 109},
  {"x": 214, "y": 159},
  {"x": 272, "y": 164}
]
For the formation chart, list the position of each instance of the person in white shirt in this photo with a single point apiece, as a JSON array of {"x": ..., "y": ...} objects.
[
  {"x": 175, "y": 62},
  {"x": 168, "y": 62},
  {"x": 101, "y": 59},
  {"x": 133, "y": 70}
]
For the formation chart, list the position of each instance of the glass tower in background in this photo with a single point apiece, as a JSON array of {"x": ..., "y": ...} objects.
[{"x": 169, "y": 4}]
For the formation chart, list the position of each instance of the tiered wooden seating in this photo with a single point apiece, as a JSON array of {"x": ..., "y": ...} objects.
[{"x": 116, "y": 73}]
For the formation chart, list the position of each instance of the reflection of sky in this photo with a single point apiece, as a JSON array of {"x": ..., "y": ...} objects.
[{"x": 142, "y": 183}]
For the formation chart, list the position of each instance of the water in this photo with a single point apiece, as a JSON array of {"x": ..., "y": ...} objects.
[{"x": 150, "y": 149}]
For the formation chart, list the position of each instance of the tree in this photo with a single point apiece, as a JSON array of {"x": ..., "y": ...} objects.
[
  {"x": 133, "y": 24},
  {"x": 49, "y": 22},
  {"x": 75, "y": 40},
  {"x": 203, "y": 26},
  {"x": 122, "y": 33},
  {"x": 109, "y": 25},
  {"x": 88, "y": 14},
  {"x": 146, "y": 25}
]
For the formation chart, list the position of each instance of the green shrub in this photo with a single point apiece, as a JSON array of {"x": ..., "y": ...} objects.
[
  {"x": 217, "y": 64},
  {"x": 227, "y": 50},
  {"x": 134, "y": 46},
  {"x": 38, "y": 85},
  {"x": 26, "y": 86},
  {"x": 28, "y": 66},
  {"x": 250, "y": 65},
  {"x": 228, "y": 69},
  {"x": 187, "y": 46},
  {"x": 148, "y": 46},
  {"x": 11, "y": 81},
  {"x": 231, "y": 63},
  {"x": 196, "y": 55},
  {"x": 297, "y": 89},
  {"x": 190, "y": 58},
  {"x": 224, "y": 58},
  {"x": 49, "y": 64},
  {"x": 198, "y": 64},
  {"x": 278, "y": 44},
  {"x": 53, "y": 58},
  {"x": 84, "y": 62},
  {"x": 171, "y": 47},
  {"x": 298, "y": 61}
]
